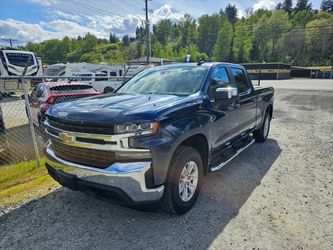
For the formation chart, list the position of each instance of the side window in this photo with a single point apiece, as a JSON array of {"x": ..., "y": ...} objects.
[
  {"x": 40, "y": 92},
  {"x": 241, "y": 81},
  {"x": 220, "y": 78}
]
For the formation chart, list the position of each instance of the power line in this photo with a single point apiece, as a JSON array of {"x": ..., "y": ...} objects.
[
  {"x": 148, "y": 39},
  {"x": 89, "y": 7},
  {"x": 10, "y": 40}
]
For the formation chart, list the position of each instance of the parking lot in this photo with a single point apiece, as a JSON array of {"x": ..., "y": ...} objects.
[{"x": 276, "y": 195}]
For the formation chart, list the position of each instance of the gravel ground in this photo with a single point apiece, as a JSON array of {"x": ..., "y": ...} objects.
[{"x": 276, "y": 195}]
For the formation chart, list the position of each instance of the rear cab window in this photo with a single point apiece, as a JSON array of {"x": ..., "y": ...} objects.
[
  {"x": 71, "y": 89},
  {"x": 242, "y": 83}
]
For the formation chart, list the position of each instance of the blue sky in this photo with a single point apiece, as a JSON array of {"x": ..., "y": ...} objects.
[{"x": 38, "y": 20}]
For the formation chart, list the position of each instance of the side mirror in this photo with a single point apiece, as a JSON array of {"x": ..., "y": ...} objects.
[{"x": 226, "y": 93}]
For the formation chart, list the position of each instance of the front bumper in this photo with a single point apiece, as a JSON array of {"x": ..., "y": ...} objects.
[{"x": 125, "y": 180}]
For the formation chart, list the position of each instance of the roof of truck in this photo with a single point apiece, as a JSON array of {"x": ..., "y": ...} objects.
[{"x": 204, "y": 64}]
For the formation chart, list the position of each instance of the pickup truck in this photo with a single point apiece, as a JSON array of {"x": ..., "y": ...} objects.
[{"x": 156, "y": 137}]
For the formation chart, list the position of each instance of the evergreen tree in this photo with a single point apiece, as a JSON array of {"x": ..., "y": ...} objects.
[
  {"x": 113, "y": 38},
  {"x": 231, "y": 12},
  {"x": 302, "y": 5},
  {"x": 287, "y": 6},
  {"x": 327, "y": 5},
  {"x": 126, "y": 40}
]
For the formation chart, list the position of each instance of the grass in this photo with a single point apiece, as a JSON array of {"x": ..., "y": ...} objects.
[{"x": 23, "y": 182}]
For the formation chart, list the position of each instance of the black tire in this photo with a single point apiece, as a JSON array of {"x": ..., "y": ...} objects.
[
  {"x": 171, "y": 201},
  {"x": 261, "y": 134}
]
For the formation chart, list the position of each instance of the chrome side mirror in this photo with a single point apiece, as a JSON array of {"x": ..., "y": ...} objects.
[{"x": 226, "y": 93}]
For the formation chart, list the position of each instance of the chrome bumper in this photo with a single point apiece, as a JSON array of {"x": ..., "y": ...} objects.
[{"x": 129, "y": 177}]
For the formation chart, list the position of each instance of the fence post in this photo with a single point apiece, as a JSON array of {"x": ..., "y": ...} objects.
[{"x": 32, "y": 129}]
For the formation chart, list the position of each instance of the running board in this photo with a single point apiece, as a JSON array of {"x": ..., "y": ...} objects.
[{"x": 218, "y": 167}]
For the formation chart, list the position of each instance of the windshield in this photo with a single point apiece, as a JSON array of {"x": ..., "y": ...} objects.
[
  {"x": 71, "y": 89},
  {"x": 184, "y": 80},
  {"x": 20, "y": 59}
]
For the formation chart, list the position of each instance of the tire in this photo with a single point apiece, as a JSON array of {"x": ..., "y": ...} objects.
[
  {"x": 261, "y": 134},
  {"x": 174, "y": 201}
]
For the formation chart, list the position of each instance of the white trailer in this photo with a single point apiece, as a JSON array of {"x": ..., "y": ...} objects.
[{"x": 12, "y": 63}]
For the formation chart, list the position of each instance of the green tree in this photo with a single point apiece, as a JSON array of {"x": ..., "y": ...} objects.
[
  {"x": 163, "y": 32},
  {"x": 242, "y": 42},
  {"x": 209, "y": 27},
  {"x": 231, "y": 12},
  {"x": 287, "y": 6},
  {"x": 319, "y": 40},
  {"x": 113, "y": 38},
  {"x": 187, "y": 30},
  {"x": 301, "y": 18},
  {"x": 302, "y": 5},
  {"x": 327, "y": 5},
  {"x": 126, "y": 40},
  {"x": 278, "y": 23},
  {"x": 293, "y": 47},
  {"x": 223, "y": 42}
]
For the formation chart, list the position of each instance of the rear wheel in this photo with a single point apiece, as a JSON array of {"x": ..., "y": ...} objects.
[
  {"x": 261, "y": 134},
  {"x": 183, "y": 183}
]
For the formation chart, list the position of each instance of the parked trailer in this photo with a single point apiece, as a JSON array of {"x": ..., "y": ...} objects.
[{"x": 12, "y": 63}]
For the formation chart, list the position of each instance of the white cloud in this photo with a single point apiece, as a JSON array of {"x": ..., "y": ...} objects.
[
  {"x": 107, "y": 24},
  {"x": 66, "y": 24},
  {"x": 264, "y": 4},
  {"x": 241, "y": 13},
  {"x": 67, "y": 16},
  {"x": 45, "y": 2},
  {"x": 165, "y": 12},
  {"x": 23, "y": 31},
  {"x": 72, "y": 29},
  {"x": 128, "y": 24}
]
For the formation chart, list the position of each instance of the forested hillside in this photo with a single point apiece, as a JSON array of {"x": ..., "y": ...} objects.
[{"x": 299, "y": 36}]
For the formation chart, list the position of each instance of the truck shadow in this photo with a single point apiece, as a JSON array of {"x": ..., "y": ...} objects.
[{"x": 67, "y": 219}]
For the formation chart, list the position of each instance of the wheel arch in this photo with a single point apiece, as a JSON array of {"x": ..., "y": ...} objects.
[
  {"x": 269, "y": 109},
  {"x": 200, "y": 143}
]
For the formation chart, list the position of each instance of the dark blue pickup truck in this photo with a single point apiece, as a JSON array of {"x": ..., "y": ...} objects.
[{"x": 157, "y": 136}]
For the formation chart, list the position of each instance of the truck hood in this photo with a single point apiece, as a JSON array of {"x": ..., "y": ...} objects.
[{"x": 118, "y": 108}]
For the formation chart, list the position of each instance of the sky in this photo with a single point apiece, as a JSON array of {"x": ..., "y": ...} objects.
[{"x": 39, "y": 20}]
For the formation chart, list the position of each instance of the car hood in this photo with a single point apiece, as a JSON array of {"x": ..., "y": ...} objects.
[{"x": 118, "y": 108}]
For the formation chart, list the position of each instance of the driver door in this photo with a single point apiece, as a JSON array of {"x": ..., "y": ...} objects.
[{"x": 225, "y": 126}]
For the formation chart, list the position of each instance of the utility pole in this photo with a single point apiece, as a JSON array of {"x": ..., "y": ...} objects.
[
  {"x": 148, "y": 44},
  {"x": 10, "y": 40}
]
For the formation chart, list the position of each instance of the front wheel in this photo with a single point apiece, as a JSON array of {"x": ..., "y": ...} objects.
[
  {"x": 183, "y": 183},
  {"x": 261, "y": 134}
]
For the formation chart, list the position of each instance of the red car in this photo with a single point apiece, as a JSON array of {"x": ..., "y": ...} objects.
[{"x": 47, "y": 94}]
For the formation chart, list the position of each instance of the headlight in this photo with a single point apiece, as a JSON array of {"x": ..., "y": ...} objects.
[{"x": 146, "y": 128}]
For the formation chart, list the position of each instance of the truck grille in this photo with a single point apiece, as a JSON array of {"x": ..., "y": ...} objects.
[
  {"x": 82, "y": 128},
  {"x": 84, "y": 156}
]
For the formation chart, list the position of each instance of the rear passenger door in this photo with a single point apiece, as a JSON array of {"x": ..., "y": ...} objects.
[{"x": 247, "y": 105}]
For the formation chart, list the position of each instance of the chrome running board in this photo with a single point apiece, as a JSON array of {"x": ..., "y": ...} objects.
[{"x": 221, "y": 165}]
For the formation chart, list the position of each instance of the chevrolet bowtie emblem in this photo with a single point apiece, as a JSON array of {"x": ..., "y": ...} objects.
[{"x": 66, "y": 138}]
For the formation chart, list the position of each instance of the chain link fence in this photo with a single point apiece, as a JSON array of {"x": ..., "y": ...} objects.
[{"x": 23, "y": 104}]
